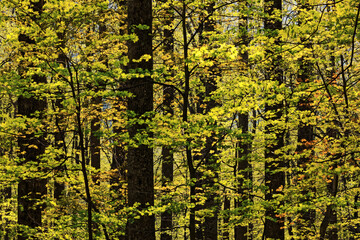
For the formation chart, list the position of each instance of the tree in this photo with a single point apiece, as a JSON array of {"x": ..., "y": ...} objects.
[
  {"x": 32, "y": 144},
  {"x": 243, "y": 146},
  {"x": 207, "y": 175},
  {"x": 167, "y": 167},
  {"x": 274, "y": 175},
  {"x": 305, "y": 136},
  {"x": 140, "y": 156}
]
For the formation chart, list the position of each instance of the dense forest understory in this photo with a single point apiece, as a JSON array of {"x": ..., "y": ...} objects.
[{"x": 179, "y": 119}]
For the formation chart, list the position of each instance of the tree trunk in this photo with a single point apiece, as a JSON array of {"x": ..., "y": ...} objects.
[
  {"x": 167, "y": 175},
  {"x": 274, "y": 179},
  {"x": 226, "y": 217},
  {"x": 209, "y": 228},
  {"x": 140, "y": 158},
  {"x": 167, "y": 155},
  {"x": 330, "y": 217},
  {"x": 95, "y": 125},
  {"x": 59, "y": 135},
  {"x": 188, "y": 151},
  {"x": 31, "y": 190},
  {"x": 305, "y": 138},
  {"x": 119, "y": 163},
  {"x": 243, "y": 147},
  {"x": 94, "y": 136},
  {"x": 244, "y": 173}
]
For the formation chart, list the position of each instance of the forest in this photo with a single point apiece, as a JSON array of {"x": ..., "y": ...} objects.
[{"x": 179, "y": 119}]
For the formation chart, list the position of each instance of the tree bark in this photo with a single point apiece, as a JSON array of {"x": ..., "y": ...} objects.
[
  {"x": 167, "y": 154},
  {"x": 274, "y": 178},
  {"x": 167, "y": 174},
  {"x": 305, "y": 139},
  {"x": 94, "y": 136},
  {"x": 59, "y": 135},
  {"x": 330, "y": 217},
  {"x": 244, "y": 173},
  {"x": 243, "y": 146},
  {"x": 140, "y": 158},
  {"x": 31, "y": 190},
  {"x": 208, "y": 229}
]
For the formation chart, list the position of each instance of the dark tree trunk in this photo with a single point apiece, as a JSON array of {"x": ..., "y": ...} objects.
[
  {"x": 274, "y": 179},
  {"x": 59, "y": 186},
  {"x": 140, "y": 158},
  {"x": 167, "y": 154},
  {"x": 305, "y": 138},
  {"x": 328, "y": 230},
  {"x": 117, "y": 180},
  {"x": 119, "y": 155},
  {"x": 95, "y": 125},
  {"x": 59, "y": 135},
  {"x": 226, "y": 218},
  {"x": 31, "y": 190},
  {"x": 167, "y": 174},
  {"x": 118, "y": 164},
  {"x": 95, "y": 143},
  {"x": 211, "y": 202},
  {"x": 244, "y": 173},
  {"x": 188, "y": 150},
  {"x": 209, "y": 228},
  {"x": 330, "y": 218},
  {"x": 59, "y": 142},
  {"x": 210, "y": 224},
  {"x": 95, "y": 137},
  {"x": 243, "y": 147}
]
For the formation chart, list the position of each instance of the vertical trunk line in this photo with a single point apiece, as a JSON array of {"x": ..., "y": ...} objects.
[{"x": 274, "y": 177}]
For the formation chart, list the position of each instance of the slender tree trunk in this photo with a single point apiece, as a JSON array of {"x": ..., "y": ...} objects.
[
  {"x": 328, "y": 230},
  {"x": 167, "y": 154},
  {"x": 167, "y": 174},
  {"x": 243, "y": 147},
  {"x": 119, "y": 163},
  {"x": 305, "y": 139},
  {"x": 210, "y": 152},
  {"x": 140, "y": 158},
  {"x": 31, "y": 190},
  {"x": 274, "y": 179},
  {"x": 59, "y": 186},
  {"x": 95, "y": 125},
  {"x": 94, "y": 136},
  {"x": 244, "y": 173},
  {"x": 188, "y": 152},
  {"x": 330, "y": 217},
  {"x": 117, "y": 180},
  {"x": 226, "y": 218},
  {"x": 59, "y": 135}
]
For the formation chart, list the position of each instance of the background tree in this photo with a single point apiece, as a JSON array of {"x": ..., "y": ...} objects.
[
  {"x": 274, "y": 174},
  {"x": 140, "y": 175},
  {"x": 167, "y": 166},
  {"x": 243, "y": 147},
  {"x": 32, "y": 142}
]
